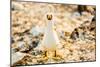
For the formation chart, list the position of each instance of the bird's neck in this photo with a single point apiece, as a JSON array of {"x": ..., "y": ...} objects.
[{"x": 50, "y": 24}]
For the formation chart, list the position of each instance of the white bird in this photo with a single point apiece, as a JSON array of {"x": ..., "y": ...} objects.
[{"x": 50, "y": 40}]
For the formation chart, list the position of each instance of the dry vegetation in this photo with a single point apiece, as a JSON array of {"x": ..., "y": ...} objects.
[{"x": 75, "y": 26}]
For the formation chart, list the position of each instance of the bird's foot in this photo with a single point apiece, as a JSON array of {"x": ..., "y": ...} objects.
[
  {"x": 57, "y": 57},
  {"x": 45, "y": 57},
  {"x": 44, "y": 54}
]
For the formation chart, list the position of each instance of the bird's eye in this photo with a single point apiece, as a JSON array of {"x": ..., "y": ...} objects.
[{"x": 49, "y": 17}]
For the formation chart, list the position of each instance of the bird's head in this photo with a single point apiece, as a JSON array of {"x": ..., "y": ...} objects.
[{"x": 49, "y": 16}]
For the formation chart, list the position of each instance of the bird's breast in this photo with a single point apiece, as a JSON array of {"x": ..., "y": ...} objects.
[{"x": 50, "y": 39}]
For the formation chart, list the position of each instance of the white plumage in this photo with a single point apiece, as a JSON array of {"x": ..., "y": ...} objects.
[
  {"x": 50, "y": 39},
  {"x": 50, "y": 42}
]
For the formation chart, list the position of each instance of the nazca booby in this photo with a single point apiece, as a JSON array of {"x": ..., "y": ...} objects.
[{"x": 50, "y": 40}]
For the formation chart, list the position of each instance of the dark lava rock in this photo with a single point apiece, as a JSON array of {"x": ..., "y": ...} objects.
[
  {"x": 35, "y": 43},
  {"x": 81, "y": 9},
  {"x": 26, "y": 31},
  {"x": 21, "y": 39},
  {"x": 19, "y": 34},
  {"x": 75, "y": 34},
  {"x": 37, "y": 52}
]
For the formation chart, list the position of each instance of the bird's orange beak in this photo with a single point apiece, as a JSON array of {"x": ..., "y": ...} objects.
[{"x": 49, "y": 17}]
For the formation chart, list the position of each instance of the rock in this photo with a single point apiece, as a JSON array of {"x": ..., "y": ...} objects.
[
  {"x": 35, "y": 44},
  {"x": 36, "y": 31},
  {"x": 76, "y": 15},
  {"x": 17, "y": 57},
  {"x": 75, "y": 34},
  {"x": 81, "y": 9}
]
